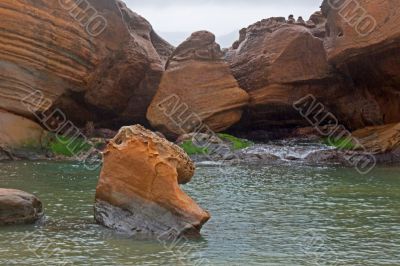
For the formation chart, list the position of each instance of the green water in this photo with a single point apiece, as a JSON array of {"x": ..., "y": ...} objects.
[{"x": 272, "y": 215}]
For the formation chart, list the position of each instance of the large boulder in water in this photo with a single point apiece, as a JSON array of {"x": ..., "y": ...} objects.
[
  {"x": 200, "y": 87},
  {"x": 138, "y": 191},
  {"x": 19, "y": 207},
  {"x": 96, "y": 60}
]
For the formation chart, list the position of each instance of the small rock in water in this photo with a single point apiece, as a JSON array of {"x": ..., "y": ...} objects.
[
  {"x": 19, "y": 207},
  {"x": 291, "y": 158}
]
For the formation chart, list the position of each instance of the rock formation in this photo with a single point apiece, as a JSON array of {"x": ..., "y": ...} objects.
[
  {"x": 199, "y": 79},
  {"x": 96, "y": 60},
  {"x": 19, "y": 136},
  {"x": 379, "y": 139},
  {"x": 345, "y": 62},
  {"x": 278, "y": 63},
  {"x": 363, "y": 40},
  {"x": 138, "y": 191},
  {"x": 18, "y": 207}
]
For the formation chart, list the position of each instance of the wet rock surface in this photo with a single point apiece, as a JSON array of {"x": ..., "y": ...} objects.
[{"x": 19, "y": 207}]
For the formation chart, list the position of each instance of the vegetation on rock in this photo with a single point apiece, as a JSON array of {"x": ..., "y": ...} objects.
[
  {"x": 342, "y": 143},
  {"x": 67, "y": 146},
  {"x": 233, "y": 142}
]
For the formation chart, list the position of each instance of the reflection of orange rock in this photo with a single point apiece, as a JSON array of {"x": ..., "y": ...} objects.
[
  {"x": 18, "y": 207},
  {"x": 379, "y": 139},
  {"x": 201, "y": 79},
  {"x": 138, "y": 190}
]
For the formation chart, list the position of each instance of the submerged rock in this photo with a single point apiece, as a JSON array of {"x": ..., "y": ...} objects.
[
  {"x": 200, "y": 89},
  {"x": 138, "y": 191},
  {"x": 19, "y": 207}
]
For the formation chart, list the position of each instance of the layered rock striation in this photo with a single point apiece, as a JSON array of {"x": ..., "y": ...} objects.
[{"x": 96, "y": 60}]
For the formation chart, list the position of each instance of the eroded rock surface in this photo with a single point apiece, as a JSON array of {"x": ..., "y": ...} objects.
[
  {"x": 138, "y": 191},
  {"x": 200, "y": 87},
  {"x": 362, "y": 42},
  {"x": 380, "y": 139},
  {"x": 279, "y": 63},
  {"x": 19, "y": 207},
  {"x": 99, "y": 62},
  {"x": 345, "y": 55}
]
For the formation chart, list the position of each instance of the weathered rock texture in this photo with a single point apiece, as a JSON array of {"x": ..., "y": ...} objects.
[
  {"x": 138, "y": 191},
  {"x": 380, "y": 139},
  {"x": 60, "y": 49},
  {"x": 18, "y": 207},
  {"x": 339, "y": 56},
  {"x": 279, "y": 63},
  {"x": 19, "y": 136},
  {"x": 202, "y": 88},
  {"x": 363, "y": 40}
]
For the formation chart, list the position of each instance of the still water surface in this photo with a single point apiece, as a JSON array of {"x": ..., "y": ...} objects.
[{"x": 267, "y": 215}]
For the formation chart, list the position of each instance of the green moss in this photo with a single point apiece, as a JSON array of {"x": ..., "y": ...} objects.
[
  {"x": 343, "y": 143},
  {"x": 67, "y": 146},
  {"x": 192, "y": 149},
  {"x": 235, "y": 143},
  {"x": 238, "y": 144}
]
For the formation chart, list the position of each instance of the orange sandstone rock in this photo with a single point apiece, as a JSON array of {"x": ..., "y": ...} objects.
[
  {"x": 138, "y": 191},
  {"x": 380, "y": 139},
  {"x": 362, "y": 42},
  {"x": 101, "y": 71},
  {"x": 198, "y": 76}
]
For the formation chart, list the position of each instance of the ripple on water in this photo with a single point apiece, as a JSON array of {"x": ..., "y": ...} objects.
[{"x": 272, "y": 215}]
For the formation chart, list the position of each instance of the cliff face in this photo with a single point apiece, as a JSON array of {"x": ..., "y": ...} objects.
[
  {"x": 278, "y": 63},
  {"x": 104, "y": 63},
  {"x": 346, "y": 56},
  {"x": 363, "y": 43},
  {"x": 96, "y": 62}
]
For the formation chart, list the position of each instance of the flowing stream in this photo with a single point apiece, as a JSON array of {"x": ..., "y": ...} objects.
[{"x": 265, "y": 215}]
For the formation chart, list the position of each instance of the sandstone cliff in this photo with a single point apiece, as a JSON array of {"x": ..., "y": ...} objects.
[
  {"x": 346, "y": 56},
  {"x": 99, "y": 62},
  {"x": 363, "y": 42},
  {"x": 203, "y": 86},
  {"x": 278, "y": 63}
]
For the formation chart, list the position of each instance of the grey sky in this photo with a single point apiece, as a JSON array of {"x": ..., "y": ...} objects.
[{"x": 173, "y": 19}]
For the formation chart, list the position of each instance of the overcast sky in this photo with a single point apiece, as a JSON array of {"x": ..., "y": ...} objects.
[{"x": 172, "y": 18}]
